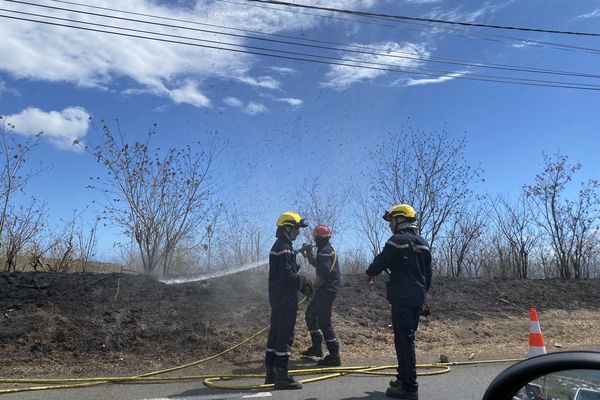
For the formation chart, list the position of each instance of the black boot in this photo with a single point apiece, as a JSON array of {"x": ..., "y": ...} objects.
[
  {"x": 399, "y": 392},
  {"x": 269, "y": 374},
  {"x": 313, "y": 352},
  {"x": 333, "y": 358},
  {"x": 283, "y": 381},
  {"x": 316, "y": 350},
  {"x": 330, "y": 360}
]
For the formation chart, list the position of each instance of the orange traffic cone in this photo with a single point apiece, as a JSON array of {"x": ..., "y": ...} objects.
[{"x": 536, "y": 340}]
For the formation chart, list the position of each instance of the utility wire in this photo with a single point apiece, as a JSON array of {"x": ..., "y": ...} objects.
[
  {"x": 355, "y": 62},
  {"x": 367, "y": 51},
  {"x": 431, "y": 20},
  {"x": 297, "y": 57},
  {"x": 464, "y": 33}
]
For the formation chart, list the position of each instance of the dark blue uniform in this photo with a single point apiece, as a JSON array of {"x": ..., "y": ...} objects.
[
  {"x": 318, "y": 312},
  {"x": 407, "y": 258},
  {"x": 284, "y": 282}
]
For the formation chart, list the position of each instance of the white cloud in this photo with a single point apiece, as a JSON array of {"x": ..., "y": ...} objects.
[
  {"x": 427, "y": 81},
  {"x": 593, "y": 14},
  {"x": 251, "y": 108},
  {"x": 91, "y": 59},
  {"x": 189, "y": 94},
  {"x": 422, "y": 1},
  {"x": 460, "y": 13},
  {"x": 60, "y": 127},
  {"x": 265, "y": 82},
  {"x": 341, "y": 77},
  {"x": 283, "y": 70},
  {"x": 233, "y": 101},
  {"x": 522, "y": 44},
  {"x": 292, "y": 101},
  {"x": 255, "y": 108}
]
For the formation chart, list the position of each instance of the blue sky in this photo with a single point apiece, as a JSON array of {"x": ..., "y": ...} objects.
[{"x": 283, "y": 122}]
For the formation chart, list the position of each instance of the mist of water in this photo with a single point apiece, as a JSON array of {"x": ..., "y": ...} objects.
[{"x": 216, "y": 274}]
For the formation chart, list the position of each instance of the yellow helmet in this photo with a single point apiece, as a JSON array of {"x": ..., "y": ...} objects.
[
  {"x": 291, "y": 218},
  {"x": 401, "y": 210}
]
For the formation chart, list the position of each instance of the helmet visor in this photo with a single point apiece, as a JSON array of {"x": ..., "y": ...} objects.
[
  {"x": 387, "y": 216},
  {"x": 302, "y": 223}
]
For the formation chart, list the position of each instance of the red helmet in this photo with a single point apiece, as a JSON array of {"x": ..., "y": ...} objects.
[{"x": 321, "y": 230}]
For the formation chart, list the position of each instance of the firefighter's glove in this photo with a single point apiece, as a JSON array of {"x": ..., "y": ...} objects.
[
  {"x": 307, "y": 286},
  {"x": 306, "y": 247},
  {"x": 425, "y": 311}
]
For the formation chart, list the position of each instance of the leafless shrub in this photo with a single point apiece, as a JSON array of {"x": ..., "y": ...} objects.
[
  {"x": 428, "y": 171},
  {"x": 158, "y": 197},
  {"x": 457, "y": 247},
  {"x": 354, "y": 261},
  {"x": 86, "y": 241},
  {"x": 370, "y": 224},
  {"x": 570, "y": 226},
  {"x": 22, "y": 225},
  {"x": 322, "y": 204},
  {"x": 517, "y": 234},
  {"x": 18, "y": 225}
]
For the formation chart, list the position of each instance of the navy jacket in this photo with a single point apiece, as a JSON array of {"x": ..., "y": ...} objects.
[
  {"x": 328, "y": 270},
  {"x": 284, "y": 280},
  {"x": 407, "y": 258}
]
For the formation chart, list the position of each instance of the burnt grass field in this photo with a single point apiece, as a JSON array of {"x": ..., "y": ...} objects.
[{"x": 117, "y": 324}]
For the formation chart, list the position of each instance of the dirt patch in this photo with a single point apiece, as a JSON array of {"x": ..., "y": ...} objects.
[{"x": 106, "y": 324}]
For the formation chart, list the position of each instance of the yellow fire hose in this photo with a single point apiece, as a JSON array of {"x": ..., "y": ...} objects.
[{"x": 211, "y": 380}]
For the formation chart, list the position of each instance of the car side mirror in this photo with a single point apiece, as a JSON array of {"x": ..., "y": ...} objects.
[{"x": 571, "y": 375}]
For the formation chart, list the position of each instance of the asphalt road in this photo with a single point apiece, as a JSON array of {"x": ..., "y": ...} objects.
[{"x": 462, "y": 382}]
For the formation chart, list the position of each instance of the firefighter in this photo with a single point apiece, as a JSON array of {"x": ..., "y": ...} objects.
[
  {"x": 284, "y": 282},
  {"x": 318, "y": 312},
  {"x": 407, "y": 259}
]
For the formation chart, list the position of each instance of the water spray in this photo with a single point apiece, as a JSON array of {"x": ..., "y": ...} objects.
[{"x": 216, "y": 274}]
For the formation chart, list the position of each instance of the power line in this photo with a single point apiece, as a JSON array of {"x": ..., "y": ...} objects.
[
  {"x": 465, "y": 33},
  {"x": 355, "y": 63},
  {"x": 431, "y": 20},
  {"x": 339, "y": 62},
  {"x": 371, "y": 51}
]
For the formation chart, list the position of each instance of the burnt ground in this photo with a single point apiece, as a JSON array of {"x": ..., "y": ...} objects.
[{"x": 84, "y": 324}]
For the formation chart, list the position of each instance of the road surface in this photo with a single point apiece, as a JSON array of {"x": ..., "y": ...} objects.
[{"x": 462, "y": 382}]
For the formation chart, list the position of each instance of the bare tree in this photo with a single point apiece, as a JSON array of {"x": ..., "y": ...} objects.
[
  {"x": 428, "y": 171},
  {"x": 323, "y": 205},
  {"x": 514, "y": 224},
  {"x": 14, "y": 153},
  {"x": 467, "y": 226},
  {"x": 584, "y": 215},
  {"x": 21, "y": 227},
  {"x": 86, "y": 244},
  {"x": 372, "y": 228},
  {"x": 54, "y": 249},
  {"x": 354, "y": 261},
  {"x": 568, "y": 224},
  {"x": 158, "y": 197}
]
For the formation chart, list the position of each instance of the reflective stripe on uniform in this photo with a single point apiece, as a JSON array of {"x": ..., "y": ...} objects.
[
  {"x": 334, "y": 259},
  {"x": 326, "y": 254},
  {"x": 270, "y": 350},
  {"x": 422, "y": 247},
  {"x": 398, "y": 246},
  {"x": 281, "y": 353},
  {"x": 278, "y": 253}
]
